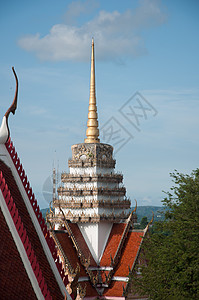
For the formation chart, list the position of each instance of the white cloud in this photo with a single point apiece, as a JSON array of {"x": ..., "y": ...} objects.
[
  {"x": 146, "y": 200},
  {"x": 117, "y": 34},
  {"x": 77, "y": 8}
]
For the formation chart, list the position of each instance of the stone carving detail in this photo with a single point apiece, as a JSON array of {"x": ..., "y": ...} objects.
[
  {"x": 114, "y": 177},
  {"x": 79, "y": 204},
  {"x": 89, "y": 218},
  {"x": 82, "y": 151},
  {"x": 92, "y": 151}
]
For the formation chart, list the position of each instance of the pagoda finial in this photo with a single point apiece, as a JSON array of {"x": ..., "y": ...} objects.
[{"x": 92, "y": 131}]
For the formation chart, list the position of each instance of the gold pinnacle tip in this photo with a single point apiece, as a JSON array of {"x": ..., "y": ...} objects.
[{"x": 92, "y": 131}]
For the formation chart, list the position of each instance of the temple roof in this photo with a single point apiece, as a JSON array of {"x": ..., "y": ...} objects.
[
  {"x": 29, "y": 262},
  {"x": 94, "y": 277},
  {"x": 31, "y": 241},
  {"x": 31, "y": 258},
  {"x": 113, "y": 243},
  {"x": 82, "y": 243},
  {"x": 14, "y": 279},
  {"x": 32, "y": 249},
  {"x": 30, "y": 230},
  {"x": 70, "y": 251}
]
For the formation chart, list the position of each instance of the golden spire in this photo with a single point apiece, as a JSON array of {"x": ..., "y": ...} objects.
[{"x": 92, "y": 131}]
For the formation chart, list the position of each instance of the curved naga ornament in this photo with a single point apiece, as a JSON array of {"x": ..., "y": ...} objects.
[
  {"x": 151, "y": 222},
  {"x": 134, "y": 211},
  {"x": 4, "y": 129}
]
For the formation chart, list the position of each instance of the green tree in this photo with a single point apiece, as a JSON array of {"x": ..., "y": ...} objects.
[
  {"x": 171, "y": 253},
  {"x": 143, "y": 222}
]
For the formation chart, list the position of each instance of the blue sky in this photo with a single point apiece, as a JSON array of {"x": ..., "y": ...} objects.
[{"x": 150, "y": 47}]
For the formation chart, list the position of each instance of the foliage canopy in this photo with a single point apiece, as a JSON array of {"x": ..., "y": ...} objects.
[
  {"x": 144, "y": 222},
  {"x": 171, "y": 253}
]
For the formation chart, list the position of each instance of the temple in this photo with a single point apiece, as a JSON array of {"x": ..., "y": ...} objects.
[
  {"x": 91, "y": 222},
  {"x": 29, "y": 265},
  {"x": 90, "y": 249}
]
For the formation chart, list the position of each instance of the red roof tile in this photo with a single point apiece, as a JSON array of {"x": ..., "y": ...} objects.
[
  {"x": 90, "y": 290},
  {"x": 36, "y": 210},
  {"x": 14, "y": 281},
  {"x": 112, "y": 244},
  {"x": 31, "y": 232}
]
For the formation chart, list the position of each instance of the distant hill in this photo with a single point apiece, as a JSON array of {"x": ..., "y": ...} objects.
[
  {"x": 147, "y": 211},
  {"x": 142, "y": 211}
]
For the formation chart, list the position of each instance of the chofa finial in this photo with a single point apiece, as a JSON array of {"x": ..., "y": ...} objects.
[
  {"x": 92, "y": 131},
  {"x": 4, "y": 129}
]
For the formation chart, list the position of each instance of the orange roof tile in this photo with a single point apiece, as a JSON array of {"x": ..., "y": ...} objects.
[
  {"x": 129, "y": 253},
  {"x": 115, "y": 289},
  {"x": 113, "y": 243}
]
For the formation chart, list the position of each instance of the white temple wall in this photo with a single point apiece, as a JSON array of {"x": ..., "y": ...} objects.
[
  {"x": 96, "y": 236},
  {"x": 90, "y": 198},
  {"x": 90, "y": 185},
  {"x": 90, "y": 211},
  {"x": 91, "y": 170},
  {"x": 78, "y": 198},
  {"x": 78, "y": 212},
  {"x": 82, "y": 171}
]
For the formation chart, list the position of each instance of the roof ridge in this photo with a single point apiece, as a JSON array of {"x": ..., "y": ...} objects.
[
  {"x": 85, "y": 262},
  {"x": 24, "y": 238},
  {"x": 26, "y": 184},
  {"x": 65, "y": 258}
]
